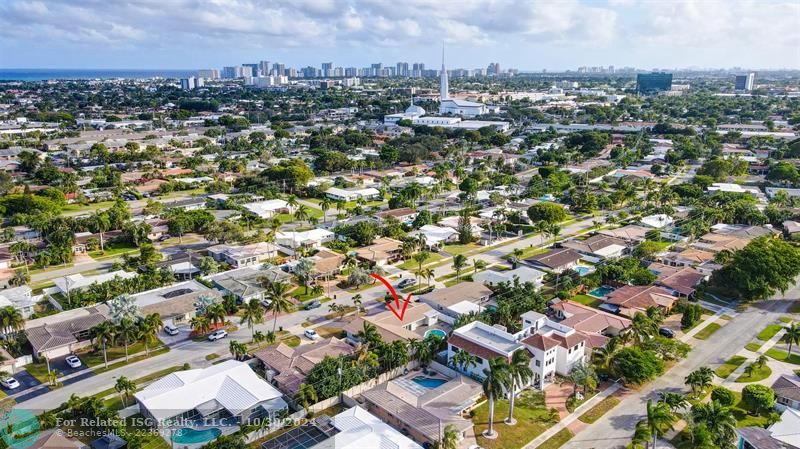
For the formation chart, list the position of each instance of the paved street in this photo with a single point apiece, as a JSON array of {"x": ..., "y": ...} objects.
[{"x": 615, "y": 429}]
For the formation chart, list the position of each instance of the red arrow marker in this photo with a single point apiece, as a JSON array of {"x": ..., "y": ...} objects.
[{"x": 396, "y": 310}]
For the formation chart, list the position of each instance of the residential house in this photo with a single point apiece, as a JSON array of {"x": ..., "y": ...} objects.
[
  {"x": 326, "y": 264},
  {"x": 493, "y": 277},
  {"x": 383, "y": 251},
  {"x": 187, "y": 204},
  {"x": 20, "y": 298},
  {"x": 417, "y": 318},
  {"x": 436, "y": 236},
  {"x": 689, "y": 257},
  {"x": 287, "y": 367},
  {"x": 368, "y": 194},
  {"x": 630, "y": 299},
  {"x": 596, "y": 325},
  {"x": 453, "y": 222},
  {"x": 791, "y": 229},
  {"x": 74, "y": 282},
  {"x": 403, "y": 214},
  {"x": 246, "y": 283},
  {"x": 787, "y": 392},
  {"x": 54, "y": 439},
  {"x": 63, "y": 333},
  {"x": 556, "y": 259},
  {"x": 230, "y": 390},
  {"x": 784, "y": 434},
  {"x": 680, "y": 281},
  {"x": 424, "y": 413},
  {"x": 598, "y": 247},
  {"x": 313, "y": 238},
  {"x": 658, "y": 221},
  {"x": 176, "y": 302},
  {"x": 242, "y": 256},
  {"x": 268, "y": 208},
  {"x": 460, "y": 299}
]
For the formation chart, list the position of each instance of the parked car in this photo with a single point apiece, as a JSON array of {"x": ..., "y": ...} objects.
[
  {"x": 666, "y": 332},
  {"x": 311, "y": 334},
  {"x": 73, "y": 361},
  {"x": 217, "y": 335},
  {"x": 9, "y": 383},
  {"x": 164, "y": 237},
  {"x": 171, "y": 329},
  {"x": 313, "y": 304},
  {"x": 408, "y": 282}
]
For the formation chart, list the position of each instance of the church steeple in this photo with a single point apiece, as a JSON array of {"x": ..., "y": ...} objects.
[{"x": 444, "y": 86}]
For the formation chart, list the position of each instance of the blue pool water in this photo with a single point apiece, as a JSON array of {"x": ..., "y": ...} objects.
[
  {"x": 428, "y": 382},
  {"x": 582, "y": 270},
  {"x": 191, "y": 436},
  {"x": 438, "y": 332},
  {"x": 600, "y": 292}
]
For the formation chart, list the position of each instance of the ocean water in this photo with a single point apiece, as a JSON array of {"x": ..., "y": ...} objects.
[{"x": 78, "y": 74}]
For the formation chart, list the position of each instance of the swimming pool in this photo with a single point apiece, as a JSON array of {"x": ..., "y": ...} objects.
[
  {"x": 438, "y": 332},
  {"x": 601, "y": 292},
  {"x": 187, "y": 435},
  {"x": 429, "y": 382},
  {"x": 583, "y": 270}
]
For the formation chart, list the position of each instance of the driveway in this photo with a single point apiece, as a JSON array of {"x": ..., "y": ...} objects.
[{"x": 28, "y": 387}]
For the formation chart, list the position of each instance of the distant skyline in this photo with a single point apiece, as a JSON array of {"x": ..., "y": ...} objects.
[{"x": 523, "y": 34}]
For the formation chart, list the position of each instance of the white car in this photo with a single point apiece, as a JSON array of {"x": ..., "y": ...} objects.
[
  {"x": 311, "y": 334},
  {"x": 217, "y": 334},
  {"x": 170, "y": 329},
  {"x": 73, "y": 361},
  {"x": 9, "y": 383}
]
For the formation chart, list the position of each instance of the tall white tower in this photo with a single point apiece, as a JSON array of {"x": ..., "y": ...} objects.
[{"x": 443, "y": 84}]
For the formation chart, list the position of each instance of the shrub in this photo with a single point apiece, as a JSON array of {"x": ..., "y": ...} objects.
[
  {"x": 724, "y": 396},
  {"x": 634, "y": 365},
  {"x": 758, "y": 397}
]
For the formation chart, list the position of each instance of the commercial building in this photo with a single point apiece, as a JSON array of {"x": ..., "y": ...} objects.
[
  {"x": 650, "y": 83},
  {"x": 744, "y": 83}
]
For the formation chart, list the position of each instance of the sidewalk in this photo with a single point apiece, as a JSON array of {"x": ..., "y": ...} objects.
[
  {"x": 750, "y": 356},
  {"x": 572, "y": 417}
]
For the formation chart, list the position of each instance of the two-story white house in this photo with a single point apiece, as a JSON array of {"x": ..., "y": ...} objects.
[{"x": 554, "y": 348}]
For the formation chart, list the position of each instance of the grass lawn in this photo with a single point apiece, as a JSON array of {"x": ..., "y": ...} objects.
[
  {"x": 557, "y": 440},
  {"x": 39, "y": 371},
  {"x": 113, "y": 250},
  {"x": 769, "y": 332},
  {"x": 121, "y": 362},
  {"x": 461, "y": 249},
  {"x": 212, "y": 356},
  {"x": 730, "y": 365},
  {"x": 77, "y": 208},
  {"x": 455, "y": 281},
  {"x": 752, "y": 346},
  {"x": 300, "y": 294},
  {"x": 95, "y": 358},
  {"x": 599, "y": 410},
  {"x": 758, "y": 374},
  {"x": 141, "y": 381},
  {"x": 411, "y": 265},
  {"x": 532, "y": 419},
  {"x": 783, "y": 356},
  {"x": 587, "y": 300},
  {"x": 328, "y": 331},
  {"x": 785, "y": 319},
  {"x": 529, "y": 252},
  {"x": 707, "y": 331},
  {"x": 288, "y": 218},
  {"x": 291, "y": 341},
  {"x": 743, "y": 416}
]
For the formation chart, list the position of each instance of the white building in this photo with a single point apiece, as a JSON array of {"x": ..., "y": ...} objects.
[
  {"x": 269, "y": 208},
  {"x": 313, "y": 238},
  {"x": 337, "y": 194},
  {"x": 437, "y": 235},
  {"x": 554, "y": 348},
  {"x": 229, "y": 390},
  {"x": 19, "y": 298},
  {"x": 242, "y": 256},
  {"x": 359, "y": 429},
  {"x": 78, "y": 281},
  {"x": 524, "y": 274}
]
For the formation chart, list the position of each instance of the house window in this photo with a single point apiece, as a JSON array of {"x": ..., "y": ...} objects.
[{"x": 538, "y": 364}]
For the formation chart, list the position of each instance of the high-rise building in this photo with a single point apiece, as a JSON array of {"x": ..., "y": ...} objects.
[
  {"x": 210, "y": 74},
  {"x": 649, "y": 83},
  {"x": 351, "y": 72},
  {"x": 278, "y": 69},
  {"x": 402, "y": 69},
  {"x": 744, "y": 83},
  {"x": 232, "y": 72},
  {"x": 264, "y": 68},
  {"x": 327, "y": 68},
  {"x": 444, "y": 85},
  {"x": 191, "y": 83},
  {"x": 253, "y": 68},
  {"x": 493, "y": 69}
]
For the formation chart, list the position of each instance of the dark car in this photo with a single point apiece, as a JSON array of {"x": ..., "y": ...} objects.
[
  {"x": 312, "y": 304},
  {"x": 406, "y": 283},
  {"x": 666, "y": 332}
]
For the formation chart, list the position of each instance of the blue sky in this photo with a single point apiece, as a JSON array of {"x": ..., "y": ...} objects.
[{"x": 525, "y": 34}]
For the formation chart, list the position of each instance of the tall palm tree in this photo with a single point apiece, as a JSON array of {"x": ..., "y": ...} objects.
[
  {"x": 459, "y": 262},
  {"x": 102, "y": 222},
  {"x": 150, "y": 326},
  {"x": 301, "y": 213},
  {"x": 658, "y": 420},
  {"x": 237, "y": 349},
  {"x": 642, "y": 327},
  {"x": 200, "y": 324},
  {"x": 129, "y": 331},
  {"x": 306, "y": 394},
  {"x": 718, "y": 420},
  {"x": 279, "y": 301},
  {"x": 216, "y": 314},
  {"x": 105, "y": 334},
  {"x": 450, "y": 438},
  {"x": 792, "y": 335},
  {"x": 602, "y": 355},
  {"x": 125, "y": 387},
  {"x": 495, "y": 381},
  {"x": 519, "y": 375},
  {"x": 369, "y": 334},
  {"x": 252, "y": 315},
  {"x": 325, "y": 205},
  {"x": 675, "y": 401}
]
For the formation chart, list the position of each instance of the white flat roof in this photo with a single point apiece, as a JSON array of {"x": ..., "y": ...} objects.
[{"x": 359, "y": 429}]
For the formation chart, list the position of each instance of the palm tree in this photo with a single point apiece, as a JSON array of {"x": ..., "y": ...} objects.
[
  {"x": 306, "y": 395},
  {"x": 301, "y": 213},
  {"x": 658, "y": 421},
  {"x": 11, "y": 320},
  {"x": 102, "y": 222},
  {"x": 150, "y": 326},
  {"x": 105, "y": 334},
  {"x": 700, "y": 379},
  {"x": 675, "y": 401},
  {"x": 325, "y": 205},
  {"x": 464, "y": 360},
  {"x": 200, "y": 324},
  {"x": 792, "y": 335},
  {"x": 459, "y": 262},
  {"x": 279, "y": 301},
  {"x": 602, "y": 355},
  {"x": 237, "y": 349},
  {"x": 494, "y": 383},
  {"x": 129, "y": 332},
  {"x": 642, "y": 327},
  {"x": 125, "y": 387},
  {"x": 760, "y": 361},
  {"x": 369, "y": 334},
  {"x": 450, "y": 438},
  {"x": 216, "y": 314},
  {"x": 420, "y": 258},
  {"x": 253, "y": 314},
  {"x": 718, "y": 420},
  {"x": 20, "y": 278},
  {"x": 357, "y": 303},
  {"x": 519, "y": 375}
]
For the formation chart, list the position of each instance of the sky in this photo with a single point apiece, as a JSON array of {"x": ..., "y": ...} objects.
[{"x": 523, "y": 34}]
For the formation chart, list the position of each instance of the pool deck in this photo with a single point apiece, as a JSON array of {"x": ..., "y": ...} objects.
[{"x": 167, "y": 432}]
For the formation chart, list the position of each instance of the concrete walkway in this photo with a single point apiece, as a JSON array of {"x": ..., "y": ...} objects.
[
  {"x": 750, "y": 356},
  {"x": 572, "y": 417}
]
